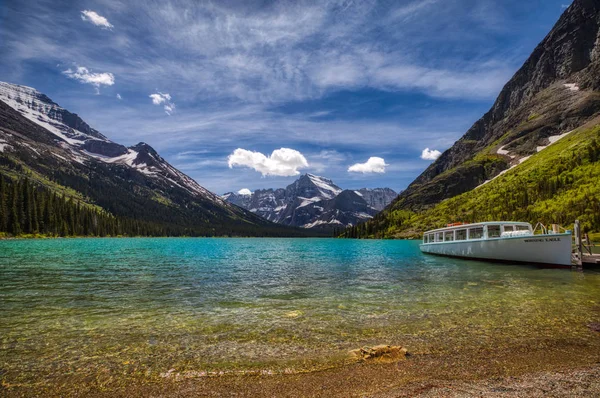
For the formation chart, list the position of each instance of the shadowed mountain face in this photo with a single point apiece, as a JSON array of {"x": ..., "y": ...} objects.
[
  {"x": 314, "y": 202},
  {"x": 555, "y": 91},
  {"x": 57, "y": 149}
]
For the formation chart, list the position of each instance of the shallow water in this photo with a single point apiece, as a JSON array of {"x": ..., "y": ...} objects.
[{"x": 141, "y": 307}]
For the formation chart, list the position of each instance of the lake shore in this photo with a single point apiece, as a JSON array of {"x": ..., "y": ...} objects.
[
  {"x": 198, "y": 317},
  {"x": 548, "y": 369}
]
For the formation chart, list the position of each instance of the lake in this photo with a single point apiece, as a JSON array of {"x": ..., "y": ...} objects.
[{"x": 106, "y": 309}]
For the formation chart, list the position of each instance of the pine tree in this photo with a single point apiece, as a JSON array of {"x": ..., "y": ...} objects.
[
  {"x": 3, "y": 206},
  {"x": 15, "y": 224}
]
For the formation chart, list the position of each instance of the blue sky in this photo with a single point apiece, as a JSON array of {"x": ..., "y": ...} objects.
[{"x": 336, "y": 82}]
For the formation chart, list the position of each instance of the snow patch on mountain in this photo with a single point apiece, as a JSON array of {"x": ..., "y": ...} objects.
[
  {"x": 327, "y": 187},
  {"x": 85, "y": 144},
  {"x": 4, "y": 145},
  {"x": 572, "y": 86},
  {"x": 38, "y": 108},
  {"x": 314, "y": 202},
  {"x": 308, "y": 201}
]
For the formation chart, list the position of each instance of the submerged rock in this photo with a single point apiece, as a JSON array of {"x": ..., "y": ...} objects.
[
  {"x": 594, "y": 326},
  {"x": 379, "y": 353}
]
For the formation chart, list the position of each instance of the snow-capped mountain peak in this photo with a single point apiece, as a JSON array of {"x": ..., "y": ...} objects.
[
  {"x": 326, "y": 187},
  {"x": 41, "y": 110},
  {"x": 314, "y": 202},
  {"x": 85, "y": 144}
]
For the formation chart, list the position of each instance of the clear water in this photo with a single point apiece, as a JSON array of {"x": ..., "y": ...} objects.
[{"x": 141, "y": 307}]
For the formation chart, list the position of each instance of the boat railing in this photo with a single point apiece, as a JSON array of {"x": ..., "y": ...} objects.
[
  {"x": 552, "y": 229},
  {"x": 542, "y": 227}
]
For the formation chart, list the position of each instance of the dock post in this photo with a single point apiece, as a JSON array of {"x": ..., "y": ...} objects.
[{"x": 578, "y": 244}]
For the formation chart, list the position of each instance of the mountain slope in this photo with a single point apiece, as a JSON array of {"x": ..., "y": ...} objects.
[
  {"x": 377, "y": 198},
  {"x": 553, "y": 98},
  {"x": 55, "y": 148},
  {"x": 557, "y": 185},
  {"x": 314, "y": 202},
  {"x": 554, "y": 92}
]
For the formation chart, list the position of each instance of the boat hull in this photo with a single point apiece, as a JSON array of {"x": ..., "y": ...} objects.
[{"x": 533, "y": 249}]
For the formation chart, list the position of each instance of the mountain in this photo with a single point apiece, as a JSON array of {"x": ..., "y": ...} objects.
[
  {"x": 377, "y": 198},
  {"x": 56, "y": 149},
  {"x": 555, "y": 92},
  {"x": 314, "y": 202}
]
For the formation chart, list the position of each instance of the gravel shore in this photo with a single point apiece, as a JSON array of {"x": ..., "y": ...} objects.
[{"x": 573, "y": 383}]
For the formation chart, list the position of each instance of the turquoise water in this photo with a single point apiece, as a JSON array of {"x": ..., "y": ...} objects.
[{"x": 141, "y": 307}]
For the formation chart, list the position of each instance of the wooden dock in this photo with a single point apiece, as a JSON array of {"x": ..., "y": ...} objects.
[
  {"x": 585, "y": 253},
  {"x": 590, "y": 259}
]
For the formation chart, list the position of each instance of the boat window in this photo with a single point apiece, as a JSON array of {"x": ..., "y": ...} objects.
[
  {"x": 461, "y": 234},
  {"x": 493, "y": 231},
  {"x": 431, "y": 238},
  {"x": 438, "y": 238},
  {"x": 509, "y": 228},
  {"x": 476, "y": 233},
  {"x": 449, "y": 236},
  {"x": 522, "y": 228}
]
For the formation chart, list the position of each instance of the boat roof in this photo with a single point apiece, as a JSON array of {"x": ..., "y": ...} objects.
[{"x": 479, "y": 224}]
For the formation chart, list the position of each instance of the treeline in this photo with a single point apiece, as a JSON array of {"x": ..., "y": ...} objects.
[
  {"x": 29, "y": 209},
  {"x": 375, "y": 228},
  {"x": 559, "y": 185}
]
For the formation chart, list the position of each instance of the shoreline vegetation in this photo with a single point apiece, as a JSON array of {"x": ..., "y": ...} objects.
[{"x": 594, "y": 237}]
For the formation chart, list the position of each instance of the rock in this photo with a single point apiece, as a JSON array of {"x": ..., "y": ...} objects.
[
  {"x": 594, "y": 326},
  {"x": 104, "y": 148},
  {"x": 379, "y": 353},
  {"x": 293, "y": 314}
]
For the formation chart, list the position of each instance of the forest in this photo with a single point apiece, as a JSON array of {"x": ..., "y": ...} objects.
[{"x": 28, "y": 209}]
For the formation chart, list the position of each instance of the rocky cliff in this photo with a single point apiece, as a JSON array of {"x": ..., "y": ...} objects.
[{"x": 554, "y": 92}]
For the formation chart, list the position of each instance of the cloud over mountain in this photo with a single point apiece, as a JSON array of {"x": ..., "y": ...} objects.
[
  {"x": 430, "y": 154},
  {"x": 84, "y": 75},
  {"x": 281, "y": 162},
  {"x": 373, "y": 165}
]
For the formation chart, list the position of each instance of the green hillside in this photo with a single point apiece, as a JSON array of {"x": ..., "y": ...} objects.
[{"x": 557, "y": 185}]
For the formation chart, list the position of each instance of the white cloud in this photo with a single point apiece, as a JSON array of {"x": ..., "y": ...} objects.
[
  {"x": 160, "y": 98},
  {"x": 282, "y": 162},
  {"x": 411, "y": 9},
  {"x": 430, "y": 154},
  {"x": 165, "y": 99},
  {"x": 373, "y": 165},
  {"x": 119, "y": 96},
  {"x": 288, "y": 51},
  {"x": 83, "y": 75},
  {"x": 245, "y": 191},
  {"x": 96, "y": 19}
]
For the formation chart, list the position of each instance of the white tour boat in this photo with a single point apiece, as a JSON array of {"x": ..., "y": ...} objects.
[{"x": 506, "y": 241}]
